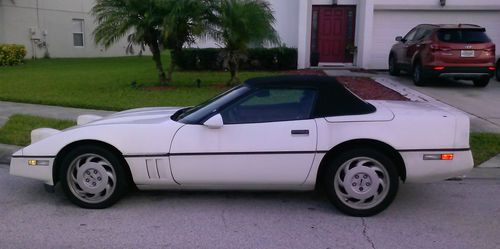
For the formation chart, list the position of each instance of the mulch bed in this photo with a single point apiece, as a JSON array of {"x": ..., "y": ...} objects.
[
  {"x": 366, "y": 88},
  {"x": 369, "y": 89}
]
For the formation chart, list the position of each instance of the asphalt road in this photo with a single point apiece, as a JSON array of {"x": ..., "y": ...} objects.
[
  {"x": 450, "y": 214},
  {"x": 483, "y": 104}
]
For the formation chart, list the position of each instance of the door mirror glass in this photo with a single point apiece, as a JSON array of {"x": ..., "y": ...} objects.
[
  {"x": 214, "y": 122},
  {"x": 399, "y": 38}
]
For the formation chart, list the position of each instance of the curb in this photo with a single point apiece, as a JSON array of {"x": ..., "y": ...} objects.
[{"x": 6, "y": 152}]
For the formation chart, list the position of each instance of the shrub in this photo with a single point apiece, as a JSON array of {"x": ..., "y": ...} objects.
[
  {"x": 257, "y": 59},
  {"x": 11, "y": 54}
]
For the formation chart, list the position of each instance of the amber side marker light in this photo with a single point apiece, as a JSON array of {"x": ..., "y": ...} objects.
[
  {"x": 447, "y": 156},
  {"x": 38, "y": 162}
]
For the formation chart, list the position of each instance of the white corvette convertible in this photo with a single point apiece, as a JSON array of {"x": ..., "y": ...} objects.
[{"x": 277, "y": 133}]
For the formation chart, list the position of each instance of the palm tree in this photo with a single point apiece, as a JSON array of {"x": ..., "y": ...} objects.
[
  {"x": 239, "y": 24},
  {"x": 184, "y": 21},
  {"x": 141, "y": 20}
]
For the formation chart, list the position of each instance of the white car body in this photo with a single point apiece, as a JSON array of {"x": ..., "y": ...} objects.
[{"x": 165, "y": 154}]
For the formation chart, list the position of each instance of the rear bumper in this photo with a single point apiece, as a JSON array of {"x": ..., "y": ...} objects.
[
  {"x": 466, "y": 73},
  {"x": 419, "y": 170}
]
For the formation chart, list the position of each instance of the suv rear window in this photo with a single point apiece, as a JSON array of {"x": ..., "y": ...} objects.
[{"x": 463, "y": 36}]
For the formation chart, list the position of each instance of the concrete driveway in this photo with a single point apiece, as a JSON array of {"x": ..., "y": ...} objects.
[
  {"x": 449, "y": 214},
  {"x": 483, "y": 104}
]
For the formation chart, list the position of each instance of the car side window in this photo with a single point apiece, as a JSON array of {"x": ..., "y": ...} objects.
[
  {"x": 271, "y": 105},
  {"x": 410, "y": 35},
  {"x": 421, "y": 34}
]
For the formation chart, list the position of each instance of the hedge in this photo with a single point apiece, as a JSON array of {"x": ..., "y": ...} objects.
[
  {"x": 11, "y": 54},
  {"x": 257, "y": 59}
]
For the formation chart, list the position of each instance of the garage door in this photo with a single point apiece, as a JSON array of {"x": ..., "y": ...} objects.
[{"x": 390, "y": 23}]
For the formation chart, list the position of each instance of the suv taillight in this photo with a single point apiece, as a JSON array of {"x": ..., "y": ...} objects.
[
  {"x": 490, "y": 49},
  {"x": 435, "y": 47}
]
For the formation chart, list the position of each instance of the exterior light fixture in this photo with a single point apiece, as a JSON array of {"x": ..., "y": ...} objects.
[{"x": 442, "y": 3}]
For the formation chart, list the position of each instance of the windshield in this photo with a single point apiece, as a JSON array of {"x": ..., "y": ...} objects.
[{"x": 194, "y": 115}]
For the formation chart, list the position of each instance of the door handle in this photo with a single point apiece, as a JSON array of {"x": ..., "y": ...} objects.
[{"x": 300, "y": 132}]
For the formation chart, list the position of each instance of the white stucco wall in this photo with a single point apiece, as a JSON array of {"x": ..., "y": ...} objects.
[{"x": 55, "y": 17}]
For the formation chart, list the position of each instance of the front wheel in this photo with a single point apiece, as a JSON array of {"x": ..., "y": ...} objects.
[
  {"x": 93, "y": 177},
  {"x": 393, "y": 66},
  {"x": 361, "y": 182}
]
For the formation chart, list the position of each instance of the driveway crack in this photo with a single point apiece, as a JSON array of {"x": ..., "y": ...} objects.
[{"x": 365, "y": 233}]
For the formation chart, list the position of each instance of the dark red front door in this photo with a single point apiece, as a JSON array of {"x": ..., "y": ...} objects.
[{"x": 333, "y": 33}]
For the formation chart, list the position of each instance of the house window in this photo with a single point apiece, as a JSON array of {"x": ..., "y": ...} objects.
[{"x": 78, "y": 35}]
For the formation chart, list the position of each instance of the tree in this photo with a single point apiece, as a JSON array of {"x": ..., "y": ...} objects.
[
  {"x": 141, "y": 20},
  {"x": 239, "y": 24},
  {"x": 184, "y": 21}
]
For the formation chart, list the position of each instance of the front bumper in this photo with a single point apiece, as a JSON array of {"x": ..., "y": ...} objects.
[
  {"x": 419, "y": 170},
  {"x": 19, "y": 166},
  {"x": 465, "y": 73}
]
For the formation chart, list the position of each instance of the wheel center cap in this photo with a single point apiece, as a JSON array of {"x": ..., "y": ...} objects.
[
  {"x": 361, "y": 182},
  {"x": 92, "y": 177}
]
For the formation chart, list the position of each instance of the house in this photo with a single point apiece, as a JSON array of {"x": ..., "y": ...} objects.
[
  {"x": 356, "y": 33},
  {"x": 63, "y": 28}
]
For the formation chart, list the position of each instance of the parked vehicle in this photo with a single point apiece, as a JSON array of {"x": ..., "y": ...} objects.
[
  {"x": 428, "y": 51},
  {"x": 277, "y": 133}
]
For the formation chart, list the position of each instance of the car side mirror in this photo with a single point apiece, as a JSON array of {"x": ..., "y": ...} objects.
[
  {"x": 399, "y": 39},
  {"x": 214, "y": 122}
]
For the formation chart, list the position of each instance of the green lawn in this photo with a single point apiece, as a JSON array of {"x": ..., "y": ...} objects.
[
  {"x": 18, "y": 128},
  {"x": 484, "y": 146},
  {"x": 105, "y": 83}
]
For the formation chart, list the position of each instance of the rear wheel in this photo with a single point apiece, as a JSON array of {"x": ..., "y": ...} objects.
[
  {"x": 393, "y": 66},
  {"x": 481, "y": 82},
  {"x": 93, "y": 177},
  {"x": 361, "y": 182},
  {"x": 498, "y": 70},
  {"x": 418, "y": 75}
]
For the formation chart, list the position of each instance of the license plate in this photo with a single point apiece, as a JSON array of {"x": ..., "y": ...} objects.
[{"x": 467, "y": 53}]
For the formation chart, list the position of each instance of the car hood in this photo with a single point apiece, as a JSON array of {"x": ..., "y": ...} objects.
[{"x": 151, "y": 115}]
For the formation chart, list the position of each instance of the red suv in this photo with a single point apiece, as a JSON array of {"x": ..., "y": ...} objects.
[{"x": 462, "y": 51}]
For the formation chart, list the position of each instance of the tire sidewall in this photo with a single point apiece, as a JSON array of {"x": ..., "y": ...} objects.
[
  {"x": 116, "y": 163},
  {"x": 393, "y": 68},
  {"x": 334, "y": 165},
  {"x": 417, "y": 75}
]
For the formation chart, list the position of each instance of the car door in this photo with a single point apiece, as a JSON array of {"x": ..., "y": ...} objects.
[
  {"x": 407, "y": 46},
  {"x": 268, "y": 139}
]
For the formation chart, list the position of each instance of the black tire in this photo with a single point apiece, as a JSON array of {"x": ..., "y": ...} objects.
[
  {"x": 393, "y": 66},
  {"x": 498, "y": 71},
  {"x": 419, "y": 78},
  {"x": 351, "y": 167},
  {"x": 93, "y": 177},
  {"x": 482, "y": 82}
]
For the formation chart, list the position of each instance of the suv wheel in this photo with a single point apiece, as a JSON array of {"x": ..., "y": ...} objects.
[
  {"x": 481, "y": 82},
  {"x": 393, "y": 66},
  {"x": 498, "y": 70},
  {"x": 418, "y": 75}
]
